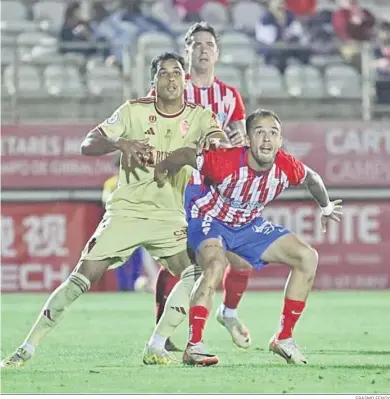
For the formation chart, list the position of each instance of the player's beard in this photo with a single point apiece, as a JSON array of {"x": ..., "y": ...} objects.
[{"x": 264, "y": 160}]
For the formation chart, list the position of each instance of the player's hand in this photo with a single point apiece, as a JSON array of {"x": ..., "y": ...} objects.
[
  {"x": 335, "y": 215},
  {"x": 237, "y": 137},
  {"x": 133, "y": 149},
  {"x": 212, "y": 141},
  {"x": 160, "y": 174}
]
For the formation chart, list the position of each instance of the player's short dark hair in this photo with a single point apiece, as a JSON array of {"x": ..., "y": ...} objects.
[
  {"x": 199, "y": 27},
  {"x": 164, "y": 57},
  {"x": 262, "y": 113}
]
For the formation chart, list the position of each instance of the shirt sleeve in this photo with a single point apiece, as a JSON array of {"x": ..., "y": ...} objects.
[
  {"x": 294, "y": 169},
  {"x": 205, "y": 163},
  {"x": 118, "y": 124},
  {"x": 239, "y": 110}
]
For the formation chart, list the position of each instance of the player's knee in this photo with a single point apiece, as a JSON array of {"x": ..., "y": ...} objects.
[
  {"x": 307, "y": 259},
  {"x": 92, "y": 270}
]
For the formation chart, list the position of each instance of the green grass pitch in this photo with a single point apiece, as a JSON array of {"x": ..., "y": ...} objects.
[{"x": 97, "y": 348}]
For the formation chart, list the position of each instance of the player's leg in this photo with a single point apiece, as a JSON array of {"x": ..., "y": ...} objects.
[
  {"x": 207, "y": 238},
  {"x": 175, "y": 312},
  {"x": 109, "y": 246},
  {"x": 79, "y": 282},
  {"x": 173, "y": 255},
  {"x": 234, "y": 282},
  {"x": 165, "y": 283},
  {"x": 303, "y": 260},
  {"x": 177, "y": 306},
  {"x": 212, "y": 260}
]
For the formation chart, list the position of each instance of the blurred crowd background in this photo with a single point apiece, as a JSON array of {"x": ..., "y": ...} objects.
[{"x": 311, "y": 58}]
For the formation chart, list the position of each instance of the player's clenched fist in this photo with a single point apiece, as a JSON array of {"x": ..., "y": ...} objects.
[
  {"x": 133, "y": 149},
  {"x": 335, "y": 213}
]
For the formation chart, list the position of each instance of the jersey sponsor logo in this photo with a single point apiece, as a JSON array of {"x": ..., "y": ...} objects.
[
  {"x": 181, "y": 234},
  {"x": 238, "y": 204},
  {"x": 152, "y": 118},
  {"x": 150, "y": 132},
  {"x": 184, "y": 127},
  {"x": 113, "y": 119},
  {"x": 151, "y": 158}
]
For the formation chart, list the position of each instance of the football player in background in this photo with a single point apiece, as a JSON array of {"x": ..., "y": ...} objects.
[
  {"x": 227, "y": 217},
  {"x": 138, "y": 213},
  {"x": 203, "y": 87}
]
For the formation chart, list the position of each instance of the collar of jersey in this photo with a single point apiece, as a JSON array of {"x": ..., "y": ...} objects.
[
  {"x": 188, "y": 77},
  {"x": 170, "y": 115}
]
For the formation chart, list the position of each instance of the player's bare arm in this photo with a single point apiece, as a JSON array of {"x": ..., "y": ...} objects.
[
  {"x": 173, "y": 163},
  {"x": 187, "y": 155},
  {"x": 330, "y": 209},
  {"x": 97, "y": 143}
]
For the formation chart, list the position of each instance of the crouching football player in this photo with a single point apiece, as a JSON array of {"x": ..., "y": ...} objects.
[{"x": 227, "y": 217}]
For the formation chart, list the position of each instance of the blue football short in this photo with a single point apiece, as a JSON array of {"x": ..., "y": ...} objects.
[{"x": 249, "y": 241}]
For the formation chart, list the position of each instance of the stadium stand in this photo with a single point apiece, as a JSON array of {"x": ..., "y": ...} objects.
[{"x": 34, "y": 66}]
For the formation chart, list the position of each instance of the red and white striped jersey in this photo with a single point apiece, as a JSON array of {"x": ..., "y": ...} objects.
[
  {"x": 236, "y": 194},
  {"x": 225, "y": 101}
]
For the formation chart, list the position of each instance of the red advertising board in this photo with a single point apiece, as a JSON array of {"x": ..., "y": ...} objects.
[
  {"x": 346, "y": 154},
  {"x": 41, "y": 244},
  {"x": 49, "y": 157},
  {"x": 352, "y": 255}
]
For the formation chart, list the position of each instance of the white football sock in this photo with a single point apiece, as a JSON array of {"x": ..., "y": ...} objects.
[
  {"x": 157, "y": 341},
  {"x": 228, "y": 312}
]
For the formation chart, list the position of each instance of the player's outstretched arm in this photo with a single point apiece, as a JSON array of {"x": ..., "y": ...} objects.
[
  {"x": 173, "y": 163},
  {"x": 330, "y": 209},
  {"x": 316, "y": 186},
  {"x": 96, "y": 144}
]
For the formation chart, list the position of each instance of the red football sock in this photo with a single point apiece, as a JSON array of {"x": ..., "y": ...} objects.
[
  {"x": 292, "y": 310},
  {"x": 234, "y": 284},
  {"x": 164, "y": 285},
  {"x": 198, "y": 318}
]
